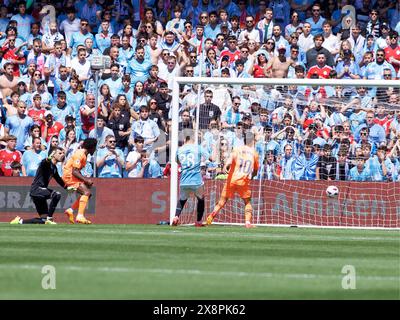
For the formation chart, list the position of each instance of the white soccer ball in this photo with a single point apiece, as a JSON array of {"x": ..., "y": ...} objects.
[{"x": 332, "y": 191}]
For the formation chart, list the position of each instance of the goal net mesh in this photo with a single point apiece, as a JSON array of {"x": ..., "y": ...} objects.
[{"x": 308, "y": 138}]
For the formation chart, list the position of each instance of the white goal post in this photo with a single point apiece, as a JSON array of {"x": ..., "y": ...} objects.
[{"x": 248, "y": 81}]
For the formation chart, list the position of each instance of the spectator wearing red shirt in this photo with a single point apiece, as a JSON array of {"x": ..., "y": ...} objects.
[
  {"x": 50, "y": 127},
  {"x": 382, "y": 118},
  {"x": 37, "y": 112},
  {"x": 88, "y": 114},
  {"x": 8, "y": 156},
  {"x": 232, "y": 52},
  {"x": 315, "y": 92},
  {"x": 321, "y": 68},
  {"x": 392, "y": 51},
  {"x": 13, "y": 54},
  {"x": 260, "y": 65}
]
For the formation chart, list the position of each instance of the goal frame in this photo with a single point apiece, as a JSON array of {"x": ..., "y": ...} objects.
[{"x": 252, "y": 81}]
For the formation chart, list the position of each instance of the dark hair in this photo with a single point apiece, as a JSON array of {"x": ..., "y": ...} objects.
[
  {"x": 308, "y": 143},
  {"x": 89, "y": 143},
  {"x": 36, "y": 126},
  {"x": 15, "y": 165},
  {"x": 101, "y": 117},
  {"x": 138, "y": 47},
  {"x": 239, "y": 62},
  {"x": 70, "y": 10},
  {"x": 36, "y": 138},
  {"x": 144, "y": 108},
  {"x": 299, "y": 68},
  {"x": 138, "y": 139}
]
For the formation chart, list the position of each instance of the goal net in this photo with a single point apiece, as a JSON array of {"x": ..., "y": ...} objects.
[{"x": 310, "y": 134}]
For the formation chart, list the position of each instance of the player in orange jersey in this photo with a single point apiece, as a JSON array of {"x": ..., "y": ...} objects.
[
  {"x": 75, "y": 181},
  {"x": 243, "y": 166}
]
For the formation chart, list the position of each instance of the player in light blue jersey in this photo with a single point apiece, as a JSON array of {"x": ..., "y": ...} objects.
[{"x": 189, "y": 157}]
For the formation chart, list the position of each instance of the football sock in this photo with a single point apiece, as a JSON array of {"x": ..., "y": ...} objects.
[
  {"x": 247, "y": 212},
  {"x": 75, "y": 205},
  {"x": 82, "y": 205},
  {"x": 179, "y": 207},
  {"x": 200, "y": 209},
  {"x": 33, "y": 221}
]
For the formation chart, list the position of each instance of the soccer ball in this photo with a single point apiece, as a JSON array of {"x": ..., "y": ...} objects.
[{"x": 332, "y": 191}]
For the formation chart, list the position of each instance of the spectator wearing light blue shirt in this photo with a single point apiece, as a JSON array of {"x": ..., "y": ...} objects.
[
  {"x": 19, "y": 125},
  {"x": 103, "y": 38},
  {"x": 374, "y": 70},
  {"x": 32, "y": 158},
  {"x": 359, "y": 172},
  {"x": 316, "y": 21},
  {"x": 24, "y": 21},
  {"x": 115, "y": 82},
  {"x": 287, "y": 163},
  {"x": 102, "y": 132},
  {"x": 139, "y": 67},
  {"x": 3, "y": 18},
  {"x": 212, "y": 28},
  {"x": 306, "y": 163},
  {"x": 110, "y": 160},
  {"x": 61, "y": 109},
  {"x": 75, "y": 99},
  {"x": 377, "y": 133},
  {"x": 78, "y": 38},
  {"x": 232, "y": 116}
]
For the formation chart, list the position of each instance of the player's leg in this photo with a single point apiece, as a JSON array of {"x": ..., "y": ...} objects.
[
  {"x": 248, "y": 211},
  {"x": 75, "y": 206},
  {"x": 41, "y": 208},
  {"x": 184, "y": 193},
  {"x": 225, "y": 195},
  {"x": 199, "y": 193},
  {"x": 55, "y": 198},
  {"x": 84, "y": 190},
  {"x": 245, "y": 194}
]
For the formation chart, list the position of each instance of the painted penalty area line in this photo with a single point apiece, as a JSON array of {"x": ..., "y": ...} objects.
[{"x": 202, "y": 272}]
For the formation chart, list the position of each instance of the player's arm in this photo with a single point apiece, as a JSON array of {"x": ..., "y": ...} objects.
[
  {"x": 59, "y": 180},
  {"x": 228, "y": 164},
  {"x": 23, "y": 170}
]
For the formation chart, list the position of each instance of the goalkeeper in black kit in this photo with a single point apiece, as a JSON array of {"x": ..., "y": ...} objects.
[{"x": 40, "y": 192}]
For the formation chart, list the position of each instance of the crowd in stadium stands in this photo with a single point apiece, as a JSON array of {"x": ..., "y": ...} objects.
[{"x": 48, "y": 89}]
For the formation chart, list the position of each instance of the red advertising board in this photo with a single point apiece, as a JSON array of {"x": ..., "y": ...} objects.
[{"x": 146, "y": 201}]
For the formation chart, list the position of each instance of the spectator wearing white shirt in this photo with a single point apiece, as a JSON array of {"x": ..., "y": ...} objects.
[
  {"x": 81, "y": 65},
  {"x": 331, "y": 42},
  {"x": 51, "y": 37},
  {"x": 70, "y": 25},
  {"x": 306, "y": 39},
  {"x": 146, "y": 128}
]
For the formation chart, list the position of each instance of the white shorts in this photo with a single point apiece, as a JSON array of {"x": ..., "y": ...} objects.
[{"x": 185, "y": 191}]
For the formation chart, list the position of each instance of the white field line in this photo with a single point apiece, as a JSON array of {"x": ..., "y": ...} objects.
[
  {"x": 185, "y": 232},
  {"x": 203, "y": 272}
]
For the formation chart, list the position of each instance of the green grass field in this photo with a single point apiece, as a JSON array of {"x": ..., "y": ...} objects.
[{"x": 161, "y": 262}]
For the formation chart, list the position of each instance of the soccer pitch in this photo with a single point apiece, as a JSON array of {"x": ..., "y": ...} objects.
[{"x": 216, "y": 262}]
